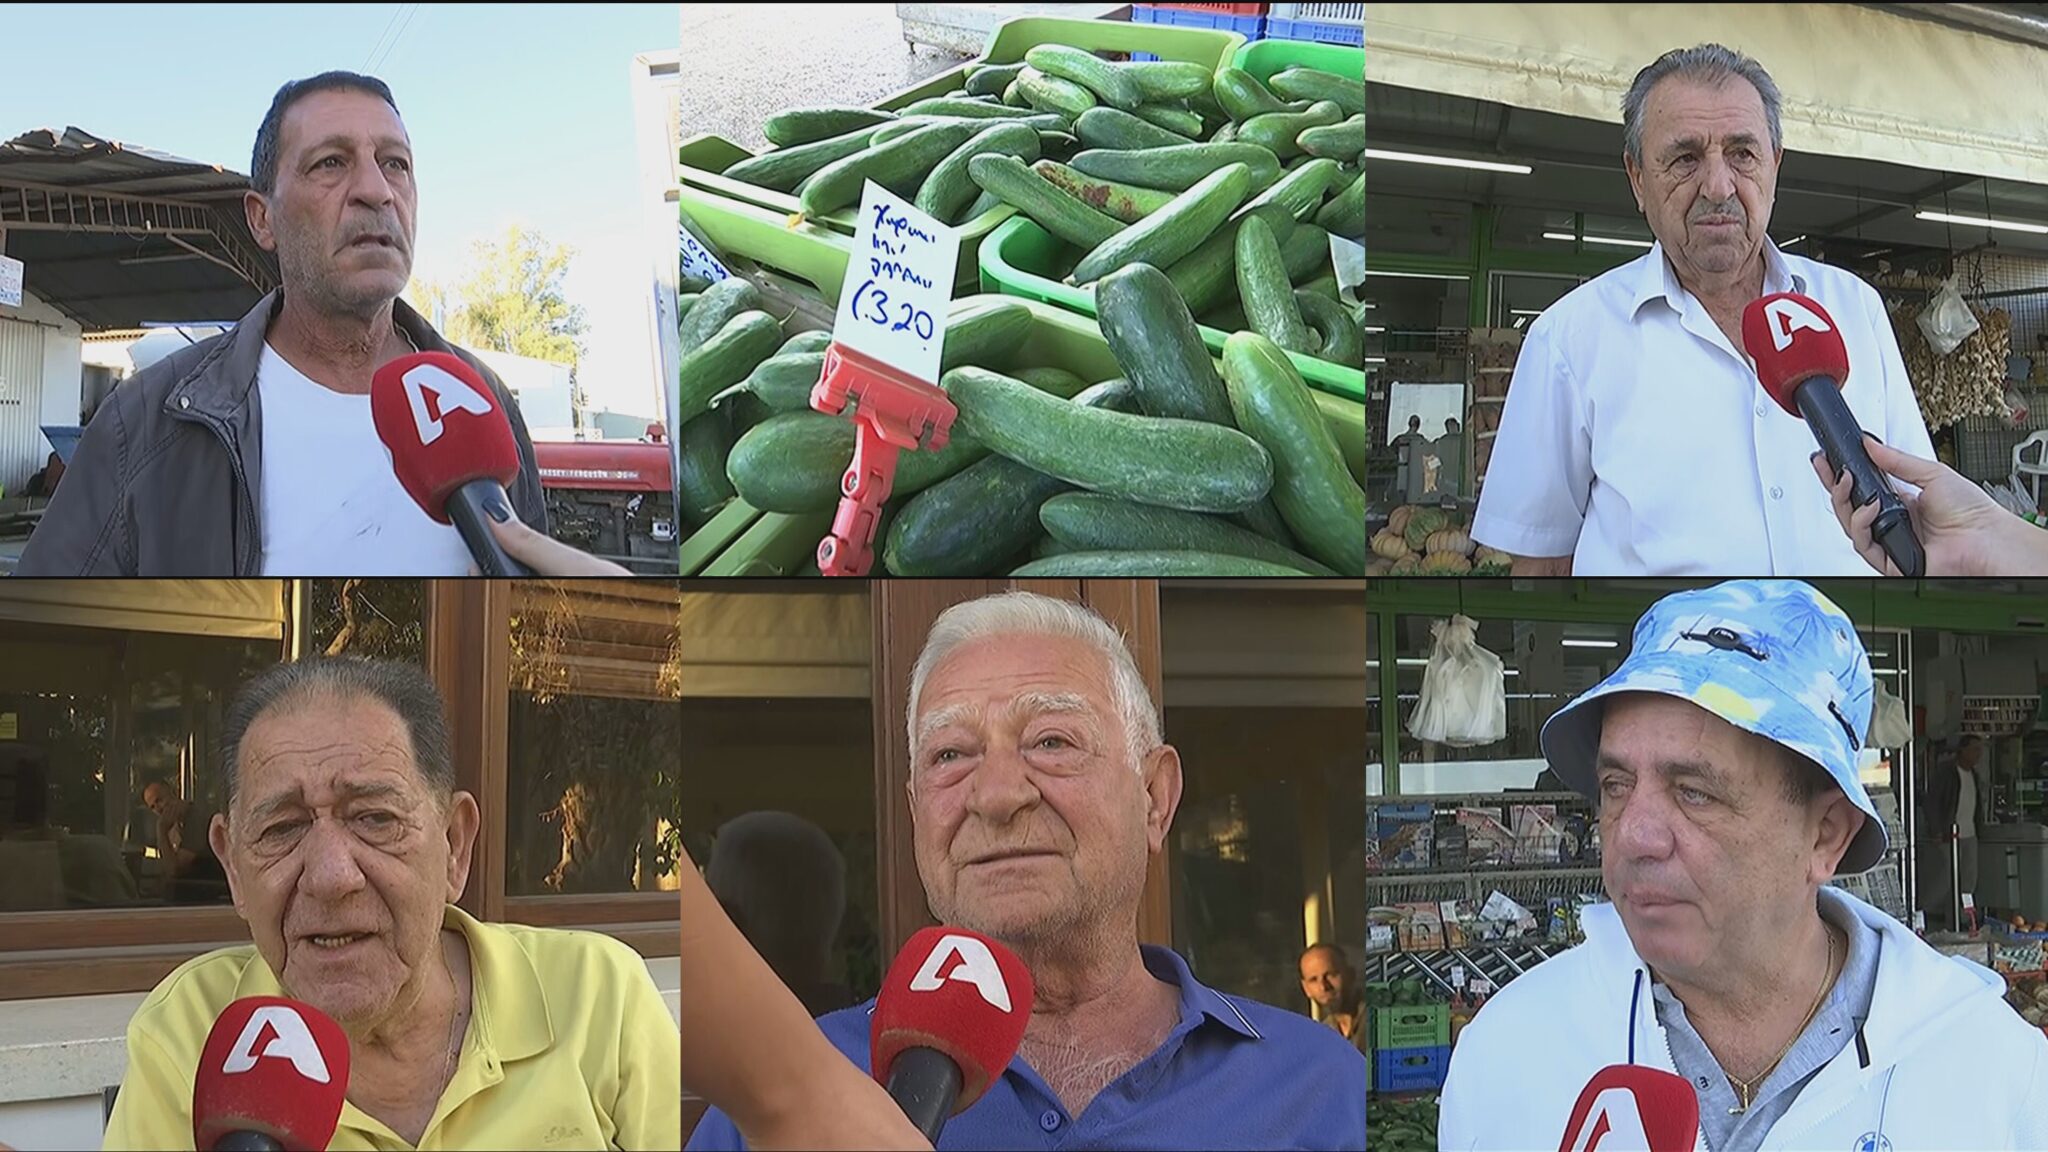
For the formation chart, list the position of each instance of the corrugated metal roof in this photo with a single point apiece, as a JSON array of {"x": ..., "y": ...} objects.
[{"x": 125, "y": 269}]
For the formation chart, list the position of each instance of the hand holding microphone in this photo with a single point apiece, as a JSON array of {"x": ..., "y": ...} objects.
[
  {"x": 1802, "y": 362},
  {"x": 1966, "y": 532},
  {"x": 950, "y": 1015}
]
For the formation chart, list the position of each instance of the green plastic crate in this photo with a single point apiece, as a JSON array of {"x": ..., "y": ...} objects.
[
  {"x": 705, "y": 158},
  {"x": 1424, "y": 1026},
  {"x": 1265, "y": 57},
  {"x": 782, "y": 545},
  {"x": 1021, "y": 259}
]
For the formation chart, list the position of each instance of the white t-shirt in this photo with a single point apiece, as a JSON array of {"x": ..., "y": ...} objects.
[
  {"x": 331, "y": 505},
  {"x": 1637, "y": 439}
]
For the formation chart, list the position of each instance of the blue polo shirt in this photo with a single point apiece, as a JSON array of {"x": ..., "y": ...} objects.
[{"x": 1232, "y": 1074}]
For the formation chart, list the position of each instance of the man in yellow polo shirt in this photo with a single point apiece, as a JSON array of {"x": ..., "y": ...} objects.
[{"x": 346, "y": 845}]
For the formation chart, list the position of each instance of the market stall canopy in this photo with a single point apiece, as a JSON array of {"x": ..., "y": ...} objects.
[
  {"x": 1857, "y": 82},
  {"x": 245, "y": 609},
  {"x": 115, "y": 236}
]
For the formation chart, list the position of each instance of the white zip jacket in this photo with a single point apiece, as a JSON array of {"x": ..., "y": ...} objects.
[{"x": 1950, "y": 1065}]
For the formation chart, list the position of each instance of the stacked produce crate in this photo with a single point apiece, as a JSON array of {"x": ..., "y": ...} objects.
[
  {"x": 1321, "y": 23},
  {"x": 1411, "y": 1039},
  {"x": 1493, "y": 355},
  {"x": 1138, "y": 443},
  {"x": 1247, "y": 20}
]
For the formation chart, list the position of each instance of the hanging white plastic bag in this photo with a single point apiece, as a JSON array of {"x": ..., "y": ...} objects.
[
  {"x": 1464, "y": 694},
  {"x": 1889, "y": 727},
  {"x": 1947, "y": 320}
]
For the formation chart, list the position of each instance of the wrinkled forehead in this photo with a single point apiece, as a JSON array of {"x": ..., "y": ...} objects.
[
  {"x": 1711, "y": 110},
  {"x": 326, "y": 742},
  {"x": 340, "y": 115}
]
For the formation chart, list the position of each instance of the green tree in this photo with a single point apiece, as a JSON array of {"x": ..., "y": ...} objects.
[{"x": 511, "y": 300}]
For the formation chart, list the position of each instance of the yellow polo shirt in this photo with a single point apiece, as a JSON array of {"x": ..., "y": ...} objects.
[{"x": 569, "y": 1046}]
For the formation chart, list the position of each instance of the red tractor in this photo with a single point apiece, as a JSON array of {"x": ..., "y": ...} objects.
[{"x": 613, "y": 498}]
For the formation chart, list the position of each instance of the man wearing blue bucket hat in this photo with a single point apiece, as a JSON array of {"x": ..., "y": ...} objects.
[{"x": 1723, "y": 756}]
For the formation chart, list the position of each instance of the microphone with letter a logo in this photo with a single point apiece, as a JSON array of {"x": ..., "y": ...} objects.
[
  {"x": 451, "y": 447},
  {"x": 1629, "y": 1108},
  {"x": 272, "y": 1076},
  {"x": 432, "y": 390},
  {"x": 950, "y": 1016}
]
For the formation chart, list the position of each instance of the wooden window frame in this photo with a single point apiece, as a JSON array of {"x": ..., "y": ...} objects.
[{"x": 467, "y": 630}]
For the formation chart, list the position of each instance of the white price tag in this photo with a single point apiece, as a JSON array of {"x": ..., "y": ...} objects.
[
  {"x": 1457, "y": 975},
  {"x": 1347, "y": 257},
  {"x": 697, "y": 259},
  {"x": 899, "y": 283}
]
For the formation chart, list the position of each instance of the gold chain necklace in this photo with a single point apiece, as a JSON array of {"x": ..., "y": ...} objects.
[{"x": 1745, "y": 1089}]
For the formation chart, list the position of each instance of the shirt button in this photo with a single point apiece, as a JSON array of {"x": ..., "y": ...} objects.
[
  {"x": 1777, "y": 493},
  {"x": 1049, "y": 1120},
  {"x": 1759, "y": 411}
]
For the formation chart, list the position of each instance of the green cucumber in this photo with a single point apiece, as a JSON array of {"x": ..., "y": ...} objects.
[
  {"x": 968, "y": 524},
  {"x": 1116, "y": 87},
  {"x": 954, "y": 106},
  {"x": 1054, "y": 94},
  {"x": 1309, "y": 84},
  {"x": 805, "y": 125},
  {"x": 1344, "y": 141},
  {"x": 1169, "y": 79},
  {"x": 1126, "y": 202},
  {"x": 1113, "y": 128},
  {"x": 1268, "y": 296},
  {"x": 1173, "y": 231},
  {"x": 991, "y": 79},
  {"x": 794, "y": 462},
  {"x": 1243, "y": 97},
  {"x": 1013, "y": 95},
  {"x": 1178, "y": 121},
  {"x": 900, "y": 165},
  {"x": 1055, "y": 381},
  {"x": 1174, "y": 463},
  {"x": 1092, "y": 522},
  {"x": 1305, "y": 252},
  {"x": 784, "y": 381},
  {"x": 1177, "y": 168},
  {"x": 988, "y": 333},
  {"x": 949, "y": 188},
  {"x": 1058, "y": 145},
  {"x": 1336, "y": 335},
  {"x": 724, "y": 360},
  {"x": 693, "y": 283},
  {"x": 1054, "y": 210},
  {"x": 1300, "y": 190},
  {"x": 1045, "y": 547},
  {"x": 701, "y": 481},
  {"x": 1345, "y": 213},
  {"x": 1312, "y": 487},
  {"x": 1277, "y": 131},
  {"x": 716, "y": 306},
  {"x": 1207, "y": 277},
  {"x": 1324, "y": 286},
  {"x": 1153, "y": 337},
  {"x": 1045, "y": 122},
  {"x": 1080, "y": 565},
  {"x": 1227, "y": 134},
  {"x": 686, "y": 301},
  {"x": 985, "y": 203},
  {"x": 815, "y": 340},
  {"x": 782, "y": 169},
  {"x": 743, "y": 411}
]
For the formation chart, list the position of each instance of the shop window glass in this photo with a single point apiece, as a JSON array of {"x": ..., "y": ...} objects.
[
  {"x": 384, "y": 619},
  {"x": 593, "y": 739},
  {"x": 778, "y": 786},
  {"x": 1266, "y": 705}
]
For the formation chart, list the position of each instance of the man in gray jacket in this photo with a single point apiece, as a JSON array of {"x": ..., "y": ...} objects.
[{"x": 253, "y": 453}]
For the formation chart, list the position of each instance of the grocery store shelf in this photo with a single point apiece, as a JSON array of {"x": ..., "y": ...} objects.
[
  {"x": 1499, "y": 963},
  {"x": 1485, "y": 798},
  {"x": 1514, "y": 871}
]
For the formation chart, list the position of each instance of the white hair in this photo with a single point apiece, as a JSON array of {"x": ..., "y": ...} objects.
[{"x": 1029, "y": 614}]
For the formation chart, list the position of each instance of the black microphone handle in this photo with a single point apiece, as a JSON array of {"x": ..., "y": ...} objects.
[
  {"x": 466, "y": 509},
  {"x": 925, "y": 1083},
  {"x": 1841, "y": 437},
  {"x": 247, "y": 1142}
]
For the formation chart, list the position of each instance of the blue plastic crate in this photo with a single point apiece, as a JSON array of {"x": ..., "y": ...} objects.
[
  {"x": 1250, "y": 27},
  {"x": 1315, "y": 31},
  {"x": 1410, "y": 1069}
]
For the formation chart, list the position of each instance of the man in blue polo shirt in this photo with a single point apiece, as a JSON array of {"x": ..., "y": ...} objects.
[{"x": 1039, "y": 789}]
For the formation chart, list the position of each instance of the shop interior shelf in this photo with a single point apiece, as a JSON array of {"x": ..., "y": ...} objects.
[
  {"x": 1513, "y": 871},
  {"x": 1469, "y": 798},
  {"x": 1499, "y": 963}
]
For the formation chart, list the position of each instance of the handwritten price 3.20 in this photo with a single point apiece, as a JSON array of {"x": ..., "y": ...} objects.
[{"x": 871, "y": 303}]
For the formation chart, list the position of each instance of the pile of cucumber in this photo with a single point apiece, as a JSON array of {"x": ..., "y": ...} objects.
[{"x": 1403, "y": 1125}]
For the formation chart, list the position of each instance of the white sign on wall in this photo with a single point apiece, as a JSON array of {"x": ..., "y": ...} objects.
[{"x": 10, "y": 281}]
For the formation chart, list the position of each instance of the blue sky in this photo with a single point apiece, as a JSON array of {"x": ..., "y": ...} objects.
[{"x": 518, "y": 113}]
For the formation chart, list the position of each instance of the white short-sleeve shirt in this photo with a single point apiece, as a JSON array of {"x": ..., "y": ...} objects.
[
  {"x": 1637, "y": 439},
  {"x": 331, "y": 505}
]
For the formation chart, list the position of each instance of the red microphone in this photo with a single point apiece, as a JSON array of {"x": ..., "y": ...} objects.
[
  {"x": 1802, "y": 362},
  {"x": 450, "y": 445},
  {"x": 271, "y": 1077},
  {"x": 1629, "y": 1108},
  {"x": 950, "y": 1015}
]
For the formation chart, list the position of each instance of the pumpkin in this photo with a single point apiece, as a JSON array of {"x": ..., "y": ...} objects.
[
  {"x": 1378, "y": 568},
  {"x": 1425, "y": 522},
  {"x": 1388, "y": 545},
  {"x": 1397, "y": 522},
  {"x": 1449, "y": 540},
  {"x": 1445, "y": 564},
  {"x": 1410, "y": 565},
  {"x": 1492, "y": 556}
]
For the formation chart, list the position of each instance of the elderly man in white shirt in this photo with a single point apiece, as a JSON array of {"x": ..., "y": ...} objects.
[{"x": 1636, "y": 439}]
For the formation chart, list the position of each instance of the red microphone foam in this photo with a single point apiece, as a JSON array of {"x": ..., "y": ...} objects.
[
  {"x": 274, "y": 1066},
  {"x": 1629, "y": 1108},
  {"x": 960, "y": 993},
  {"x": 443, "y": 427},
  {"x": 1792, "y": 339}
]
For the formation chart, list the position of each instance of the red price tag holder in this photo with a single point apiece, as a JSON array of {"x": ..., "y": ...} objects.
[{"x": 892, "y": 412}]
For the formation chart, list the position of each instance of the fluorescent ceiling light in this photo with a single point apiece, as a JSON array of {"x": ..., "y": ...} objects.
[
  {"x": 1570, "y": 643},
  {"x": 1792, "y": 241},
  {"x": 1375, "y": 359},
  {"x": 1372, "y": 328},
  {"x": 1416, "y": 275},
  {"x": 1614, "y": 240},
  {"x": 1448, "y": 161},
  {"x": 1525, "y": 312},
  {"x": 1981, "y": 222}
]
